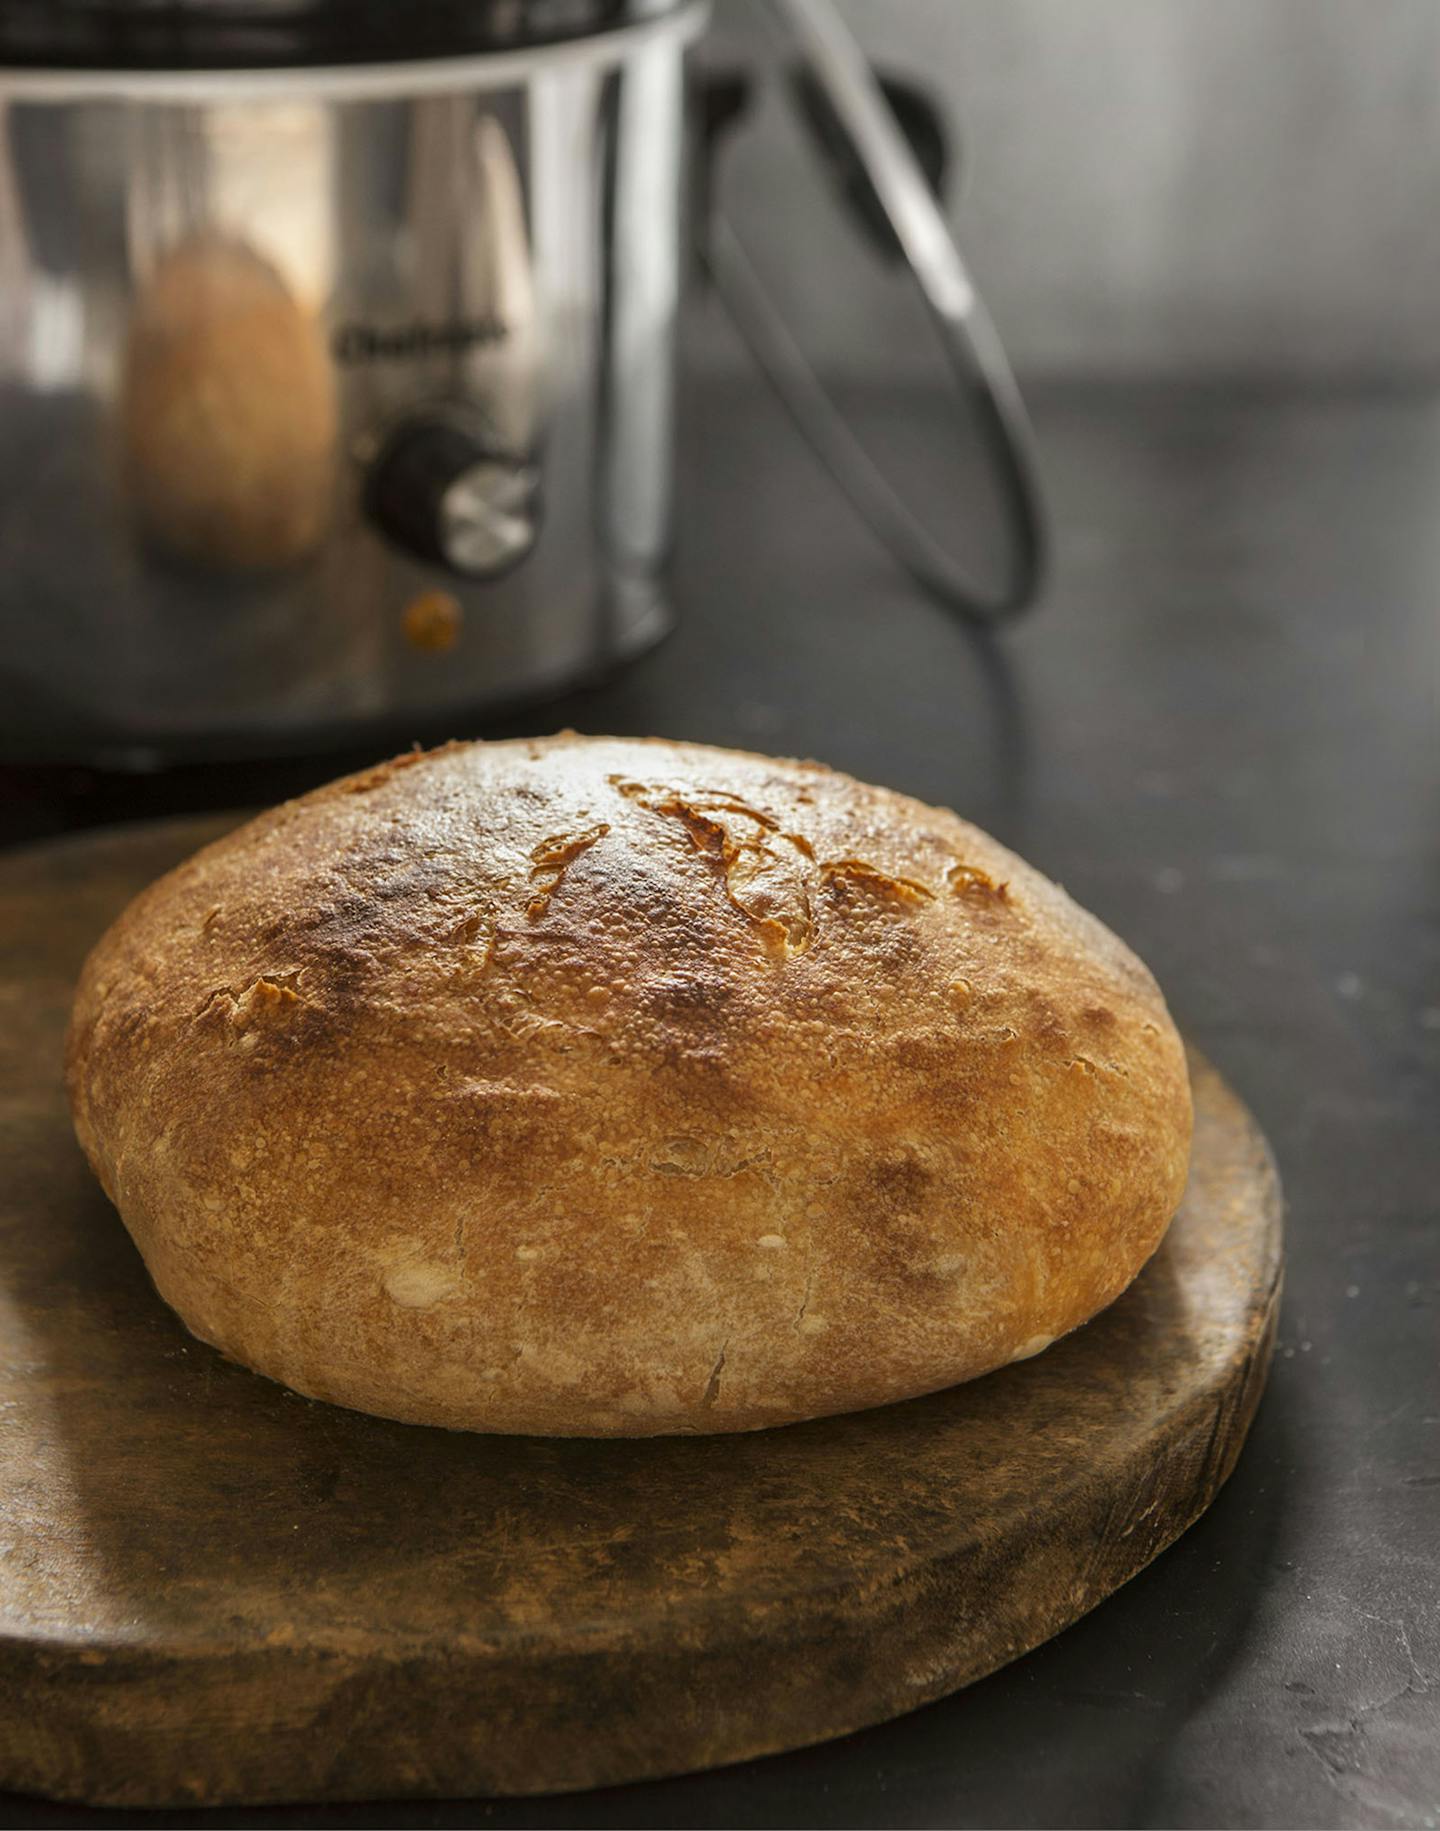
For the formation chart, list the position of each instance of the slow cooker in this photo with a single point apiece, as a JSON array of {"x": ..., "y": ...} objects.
[{"x": 337, "y": 357}]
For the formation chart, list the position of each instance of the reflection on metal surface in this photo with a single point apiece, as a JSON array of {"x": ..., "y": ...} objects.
[
  {"x": 226, "y": 412},
  {"x": 219, "y": 307},
  {"x": 644, "y": 123}
]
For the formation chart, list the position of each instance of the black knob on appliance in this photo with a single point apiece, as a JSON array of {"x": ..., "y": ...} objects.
[{"x": 440, "y": 492}]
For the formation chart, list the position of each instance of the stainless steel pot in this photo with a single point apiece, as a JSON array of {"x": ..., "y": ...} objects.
[{"x": 338, "y": 396}]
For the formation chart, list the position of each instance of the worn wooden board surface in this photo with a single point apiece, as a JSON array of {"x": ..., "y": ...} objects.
[{"x": 211, "y": 1590}]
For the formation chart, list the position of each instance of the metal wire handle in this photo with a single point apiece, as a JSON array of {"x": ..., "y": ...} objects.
[{"x": 966, "y": 333}]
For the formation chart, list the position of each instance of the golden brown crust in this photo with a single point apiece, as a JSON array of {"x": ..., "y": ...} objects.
[{"x": 592, "y": 1086}]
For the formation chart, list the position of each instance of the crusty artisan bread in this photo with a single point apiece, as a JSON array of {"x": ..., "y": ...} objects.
[{"x": 585, "y": 1086}]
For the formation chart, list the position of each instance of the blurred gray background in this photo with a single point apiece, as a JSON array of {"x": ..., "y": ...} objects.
[{"x": 1201, "y": 188}]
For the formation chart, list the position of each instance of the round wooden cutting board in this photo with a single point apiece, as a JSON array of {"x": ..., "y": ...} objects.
[{"x": 211, "y": 1590}]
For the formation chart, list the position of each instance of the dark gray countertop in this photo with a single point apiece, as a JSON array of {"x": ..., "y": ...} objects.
[{"x": 1222, "y": 732}]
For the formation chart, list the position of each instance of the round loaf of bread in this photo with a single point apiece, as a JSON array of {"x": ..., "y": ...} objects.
[{"x": 598, "y": 1087}]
